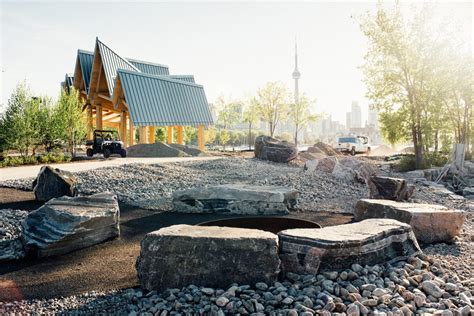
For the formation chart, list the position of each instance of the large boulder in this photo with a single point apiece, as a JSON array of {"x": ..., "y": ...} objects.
[
  {"x": 373, "y": 241},
  {"x": 388, "y": 188},
  {"x": 179, "y": 255},
  {"x": 11, "y": 246},
  {"x": 269, "y": 148},
  {"x": 322, "y": 148},
  {"x": 52, "y": 183},
  {"x": 431, "y": 223},
  {"x": 69, "y": 223},
  {"x": 236, "y": 199}
]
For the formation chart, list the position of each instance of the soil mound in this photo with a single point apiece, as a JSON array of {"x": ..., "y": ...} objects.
[
  {"x": 195, "y": 152},
  {"x": 158, "y": 149},
  {"x": 382, "y": 150}
]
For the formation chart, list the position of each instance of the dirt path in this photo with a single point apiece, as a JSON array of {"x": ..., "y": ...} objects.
[{"x": 110, "y": 265}]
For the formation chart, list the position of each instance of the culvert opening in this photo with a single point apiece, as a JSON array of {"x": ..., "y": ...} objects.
[{"x": 267, "y": 223}]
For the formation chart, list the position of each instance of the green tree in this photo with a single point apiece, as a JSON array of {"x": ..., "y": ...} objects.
[
  {"x": 161, "y": 134},
  {"x": 190, "y": 135},
  {"x": 400, "y": 64},
  {"x": 210, "y": 135},
  {"x": 300, "y": 114},
  {"x": 250, "y": 116},
  {"x": 272, "y": 104},
  {"x": 224, "y": 138},
  {"x": 70, "y": 119},
  {"x": 229, "y": 112}
]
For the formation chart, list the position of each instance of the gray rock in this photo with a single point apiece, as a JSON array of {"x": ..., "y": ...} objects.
[
  {"x": 387, "y": 188},
  {"x": 268, "y": 148},
  {"x": 179, "y": 255},
  {"x": 69, "y": 223},
  {"x": 430, "y": 223},
  {"x": 431, "y": 288},
  {"x": 338, "y": 247},
  {"x": 52, "y": 183},
  {"x": 236, "y": 199}
]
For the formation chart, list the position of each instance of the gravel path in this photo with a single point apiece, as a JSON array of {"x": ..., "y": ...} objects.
[{"x": 438, "y": 283}]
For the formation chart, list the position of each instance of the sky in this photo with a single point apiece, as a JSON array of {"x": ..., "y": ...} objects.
[{"x": 232, "y": 48}]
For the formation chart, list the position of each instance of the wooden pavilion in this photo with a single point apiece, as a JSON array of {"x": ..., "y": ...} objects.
[{"x": 126, "y": 94}]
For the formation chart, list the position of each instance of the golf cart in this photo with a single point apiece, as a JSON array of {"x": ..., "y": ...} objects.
[{"x": 107, "y": 143}]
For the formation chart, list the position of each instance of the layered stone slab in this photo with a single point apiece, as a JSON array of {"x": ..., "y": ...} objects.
[
  {"x": 179, "y": 255},
  {"x": 52, "y": 183},
  {"x": 431, "y": 223},
  {"x": 69, "y": 223},
  {"x": 236, "y": 199},
  {"x": 372, "y": 241}
]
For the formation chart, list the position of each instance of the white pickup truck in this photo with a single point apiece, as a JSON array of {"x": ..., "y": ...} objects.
[{"x": 353, "y": 145}]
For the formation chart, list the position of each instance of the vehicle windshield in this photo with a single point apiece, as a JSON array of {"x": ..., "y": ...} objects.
[{"x": 346, "y": 140}]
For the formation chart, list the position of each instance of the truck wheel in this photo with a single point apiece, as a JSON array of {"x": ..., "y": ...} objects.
[
  {"x": 89, "y": 152},
  {"x": 123, "y": 153},
  {"x": 106, "y": 153},
  {"x": 353, "y": 151}
]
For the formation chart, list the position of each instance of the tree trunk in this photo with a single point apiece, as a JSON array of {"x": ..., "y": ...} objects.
[
  {"x": 296, "y": 134},
  {"x": 250, "y": 136},
  {"x": 270, "y": 124},
  {"x": 436, "y": 143}
]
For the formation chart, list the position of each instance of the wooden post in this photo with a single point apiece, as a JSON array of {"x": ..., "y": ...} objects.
[
  {"x": 142, "y": 135},
  {"x": 151, "y": 134},
  {"x": 131, "y": 136},
  {"x": 123, "y": 127},
  {"x": 89, "y": 122},
  {"x": 98, "y": 116},
  {"x": 179, "y": 129},
  {"x": 170, "y": 135},
  {"x": 201, "y": 137}
]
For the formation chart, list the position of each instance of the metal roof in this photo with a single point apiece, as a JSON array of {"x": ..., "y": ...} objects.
[
  {"x": 163, "y": 101},
  {"x": 111, "y": 62},
  {"x": 85, "y": 61},
  {"x": 69, "y": 80},
  {"x": 150, "y": 68},
  {"x": 187, "y": 78}
]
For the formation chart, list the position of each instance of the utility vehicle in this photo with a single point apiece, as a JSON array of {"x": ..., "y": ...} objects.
[
  {"x": 353, "y": 145},
  {"x": 105, "y": 142}
]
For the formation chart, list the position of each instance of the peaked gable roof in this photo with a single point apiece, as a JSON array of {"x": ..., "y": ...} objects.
[
  {"x": 149, "y": 67},
  {"x": 187, "y": 78},
  {"x": 85, "y": 62},
  {"x": 111, "y": 62},
  {"x": 161, "y": 100}
]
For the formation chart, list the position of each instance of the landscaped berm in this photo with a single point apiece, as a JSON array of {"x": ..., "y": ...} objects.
[{"x": 126, "y": 94}]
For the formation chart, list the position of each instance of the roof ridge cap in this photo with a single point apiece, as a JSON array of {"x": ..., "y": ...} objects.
[{"x": 160, "y": 77}]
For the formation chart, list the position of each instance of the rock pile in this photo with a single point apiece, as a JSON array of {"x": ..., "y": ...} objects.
[
  {"x": 417, "y": 286},
  {"x": 52, "y": 183},
  {"x": 346, "y": 168},
  {"x": 269, "y": 148},
  {"x": 69, "y": 223},
  {"x": 11, "y": 247},
  {"x": 179, "y": 255},
  {"x": 236, "y": 199},
  {"x": 430, "y": 223}
]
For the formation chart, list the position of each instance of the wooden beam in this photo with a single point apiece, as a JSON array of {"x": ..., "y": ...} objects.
[
  {"x": 103, "y": 96},
  {"x": 151, "y": 134},
  {"x": 131, "y": 131},
  {"x": 170, "y": 135},
  {"x": 201, "y": 137},
  {"x": 180, "y": 135},
  {"x": 142, "y": 136},
  {"x": 98, "y": 116},
  {"x": 123, "y": 126},
  {"x": 89, "y": 122}
]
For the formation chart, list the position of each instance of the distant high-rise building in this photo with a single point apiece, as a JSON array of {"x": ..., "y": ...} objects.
[
  {"x": 348, "y": 120},
  {"x": 373, "y": 119},
  {"x": 356, "y": 115}
]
